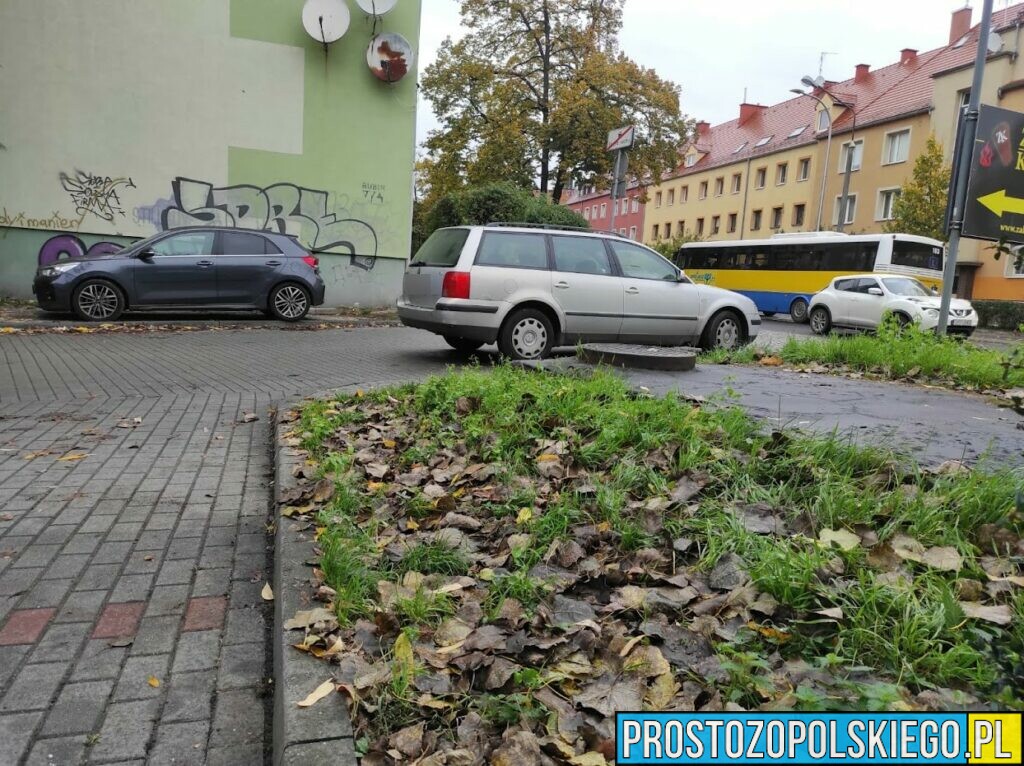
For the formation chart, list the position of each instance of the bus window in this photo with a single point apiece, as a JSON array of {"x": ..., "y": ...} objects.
[{"x": 916, "y": 255}]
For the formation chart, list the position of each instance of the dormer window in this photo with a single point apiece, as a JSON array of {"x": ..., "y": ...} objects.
[
  {"x": 823, "y": 120},
  {"x": 690, "y": 161}
]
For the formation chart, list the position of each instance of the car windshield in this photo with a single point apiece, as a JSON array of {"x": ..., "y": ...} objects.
[
  {"x": 442, "y": 248},
  {"x": 906, "y": 286}
]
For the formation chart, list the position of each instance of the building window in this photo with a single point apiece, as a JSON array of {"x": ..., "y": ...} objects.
[
  {"x": 763, "y": 141},
  {"x": 702, "y": 192},
  {"x": 781, "y": 171},
  {"x": 684, "y": 194},
  {"x": 690, "y": 161},
  {"x": 776, "y": 217},
  {"x": 622, "y": 232},
  {"x": 797, "y": 131},
  {"x": 671, "y": 196},
  {"x": 593, "y": 212},
  {"x": 657, "y": 199},
  {"x": 886, "y": 202},
  {"x": 719, "y": 186},
  {"x": 798, "y": 214},
  {"x": 604, "y": 209},
  {"x": 858, "y": 155},
  {"x": 851, "y": 209},
  {"x": 680, "y": 228},
  {"x": 755, "y": 221},
  {"x": 737, "y": 180},
  {"x": 654, "y": 231},
  {"x": 732, "y": 222},
  {"x": 632, "y": 232},
  {"x": 716, "y": 223},
  {"x": 823, "y": 120},
  {"x": 803, "y": 169},
  {"x": 586, "y": 213},
  {"x": 615, "y": 207},
  {"x": 897, "y": 147},
  {"x": 636, "y": 205},
  {"x": 762, "y": 176},
  {"x": 965, "y": 99},
  {"x": 700, "y": 227}
]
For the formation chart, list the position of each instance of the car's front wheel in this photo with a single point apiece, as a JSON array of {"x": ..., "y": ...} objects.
[
  {"x": 526, "y": 334},
  {"x": 289, "y": 302},
  {"x": 97, "y": 300},
  {"x": 798, "y": 311},
  {"x": 725, "y": 331},
  {"x": 821, "y": 320},
  {"x": 463, "y": 345}
]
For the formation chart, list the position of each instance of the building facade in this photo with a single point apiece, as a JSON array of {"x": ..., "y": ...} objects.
[
  {"x": 138, "y": 116},
  {"x": 598, "y": 208},
  {"x": 773, "y": 169}
]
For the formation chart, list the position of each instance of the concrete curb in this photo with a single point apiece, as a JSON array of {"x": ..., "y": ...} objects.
[{"x": 321, "y": 734}]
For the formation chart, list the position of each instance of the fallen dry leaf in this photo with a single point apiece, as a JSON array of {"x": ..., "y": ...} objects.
[
  {"x": 153, "y": 681},
  {"x": 267, "y": 593},
  {"x": 317, "y": 694},
  {"x": 249, "y": 417},
  {"x": 73, "y": 456},
  {"x": 1000, "y": 615},
  {"x": 844, "y": 538},
  {"x": 304, "y": 619}
]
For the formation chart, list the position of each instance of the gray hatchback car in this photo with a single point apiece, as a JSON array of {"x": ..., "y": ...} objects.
[
  {"x": 193, "y": 268},
  {"x": 531, "y": 288}
]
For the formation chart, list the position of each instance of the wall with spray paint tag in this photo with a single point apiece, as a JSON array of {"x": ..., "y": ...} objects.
[{"x": 232, "y": 115}]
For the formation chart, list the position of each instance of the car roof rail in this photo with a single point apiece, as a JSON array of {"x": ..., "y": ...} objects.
[{"x": 549, "y": 227}]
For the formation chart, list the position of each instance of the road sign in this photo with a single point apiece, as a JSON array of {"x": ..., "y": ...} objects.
[
  {"x": 620, "y": 138},
  {"x": 995, "y": 188}
]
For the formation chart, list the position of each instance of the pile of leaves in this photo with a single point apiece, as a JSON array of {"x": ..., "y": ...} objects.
[
  {"x": 509, "y": 557},
  {"x": 146, "y": 328}
]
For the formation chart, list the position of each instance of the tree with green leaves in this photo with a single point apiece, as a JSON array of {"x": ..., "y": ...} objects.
[
  {"x": 669, "y": 247},
  {"x": 921, "y": 206},
  {"x": 530, "y": 93}
]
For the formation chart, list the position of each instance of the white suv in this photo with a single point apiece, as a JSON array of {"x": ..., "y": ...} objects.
[
  {"x": 860, "y": 301},
  {"x": 531, "y": 288}
]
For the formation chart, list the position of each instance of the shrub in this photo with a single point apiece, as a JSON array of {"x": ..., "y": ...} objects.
[{"x": 1000, "y": 315}]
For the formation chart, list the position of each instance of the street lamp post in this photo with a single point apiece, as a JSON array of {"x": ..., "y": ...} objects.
[
  {"x": 845, "y": 201},
  {"x": 828, "y": 149}
]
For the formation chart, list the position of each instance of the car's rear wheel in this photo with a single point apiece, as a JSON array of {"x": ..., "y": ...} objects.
[
  {"x": 798, "y": 311},
  {"x": 725, "y": 331},
  {"x": 821, "y": 320},
  {"x": 463, "y": 345},
  {"x": 97, "y": 300},
  {"x": 526, "y": 334},
  {"x": 289, "y": 302}
]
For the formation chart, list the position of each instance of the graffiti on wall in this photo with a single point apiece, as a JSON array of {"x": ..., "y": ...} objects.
[
  {"x": 152, "y": 214},
  {"x": 94, "y": 194},
  {"x": 70, "y": 246},
  {"x": 283, "y": 208}
]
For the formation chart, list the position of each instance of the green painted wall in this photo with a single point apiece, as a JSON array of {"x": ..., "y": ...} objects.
[{"x": 231, "y": 112}]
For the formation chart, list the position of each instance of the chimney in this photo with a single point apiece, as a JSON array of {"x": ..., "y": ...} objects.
[
  {"x": 960, "y": 24},
  {"x": 861, "y": 72},
  {"x": 748, "y": 111},
  {"x": 908, "y": 56},
  {"x": 703, "y": 128}
]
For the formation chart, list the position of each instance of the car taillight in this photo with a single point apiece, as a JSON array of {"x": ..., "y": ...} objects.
[
  {"x": 455, "y": 285},
  {"x": 311, "y": 260}
]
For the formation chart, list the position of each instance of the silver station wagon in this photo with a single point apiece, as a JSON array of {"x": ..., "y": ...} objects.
[{"x": 532, "y": 288}]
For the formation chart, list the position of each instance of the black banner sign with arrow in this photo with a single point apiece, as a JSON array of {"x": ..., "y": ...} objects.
[{"x": 995, "y": 188}]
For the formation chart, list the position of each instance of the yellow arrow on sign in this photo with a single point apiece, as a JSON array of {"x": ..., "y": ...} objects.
[{"x": 999, "y": 203}]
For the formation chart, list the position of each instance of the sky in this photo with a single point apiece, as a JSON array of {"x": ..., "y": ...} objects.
[{"x": 718, "y": 49}]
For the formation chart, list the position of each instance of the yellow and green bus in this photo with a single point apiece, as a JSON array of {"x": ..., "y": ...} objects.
[{"x": 782, "y": 274}]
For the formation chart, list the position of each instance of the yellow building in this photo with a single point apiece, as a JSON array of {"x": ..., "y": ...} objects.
[{"x": 763, "y": 172}]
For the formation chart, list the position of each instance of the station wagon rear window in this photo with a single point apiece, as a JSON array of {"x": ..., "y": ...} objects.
[
  {"x": 513, "y": 251},
  {"x": 442, "y": 248}
]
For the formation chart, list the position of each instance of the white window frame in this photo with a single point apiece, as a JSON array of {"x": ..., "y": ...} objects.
[
  {"x": 720, "y": 186},
  {"x": 690, "y": 161},
  {"x": 737, "y": 182},
  {"x": 632, "y": 232},
  {"x": 781, "y": 173},
  {"x": 593, "y": 211},
  {"x": 732, "y": 222},
  {"x": 702, "y": 190},
  {"x": 716, "y": 224},
  {"x": 781, "y": 210},
  {"x": 636, "y": 204},
  {"x": 684, "y": 193},
  {"x": 586, "y": 213},
  {"x": 823, "y": 113},
  {"x": 851, "y": 208},
  {"x": 799, "y": 164},
  {"x": 622, "y": 232},
  {"x": 760, "y": 178},
  {"x": 671, "y": 198},
  {"x": 885, "y": 146},
  {"x": 842, "y": 155},
  {"x": 879, "y": 205},
  {"x": 655, "y": 231},
  {"x": 604, "y": 209}
]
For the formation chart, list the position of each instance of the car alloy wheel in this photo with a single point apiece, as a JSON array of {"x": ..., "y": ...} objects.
[
  {"x": 819, "y": 321},
  {"x": 290, "y": 302},
  {"x": 98, "y": 300},
  {"x": 727, "y": 334},
  {"x": 529, "y": 338}
]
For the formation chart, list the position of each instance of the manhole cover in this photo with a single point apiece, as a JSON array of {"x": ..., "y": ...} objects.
[{"x": 671, "y": 358}]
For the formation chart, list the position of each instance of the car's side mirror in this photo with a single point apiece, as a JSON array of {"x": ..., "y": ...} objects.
[
  {"x": 875, "y": 291},
  {"x": 145, "y": 255}
]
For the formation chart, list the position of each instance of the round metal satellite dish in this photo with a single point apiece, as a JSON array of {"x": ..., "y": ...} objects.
[
  {"x": 389, "y": 57},
  {"x": 995, "y": 42},
  {"x": 325, "y": 20},
  {"x": 376, "y": 7}
]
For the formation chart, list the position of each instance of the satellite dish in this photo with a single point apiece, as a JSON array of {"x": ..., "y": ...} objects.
[
  {"x": 376, "y": 7},
  {"x": 389, "y": 57},
  {"x": 995, "y": 42},
  {"x": 325, "y": 20}
]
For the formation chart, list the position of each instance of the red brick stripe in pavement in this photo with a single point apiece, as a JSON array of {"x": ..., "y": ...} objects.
[
  {"x": 25, "y": 626},
  {"x": 119, "y": 620},
  {"x": 205, "y": 613}
]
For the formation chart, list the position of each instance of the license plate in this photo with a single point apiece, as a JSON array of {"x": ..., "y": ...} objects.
[{"x": 960, "y": 322}]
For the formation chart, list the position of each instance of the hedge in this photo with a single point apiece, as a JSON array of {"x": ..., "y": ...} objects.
[{"x": 999, "y": 315}]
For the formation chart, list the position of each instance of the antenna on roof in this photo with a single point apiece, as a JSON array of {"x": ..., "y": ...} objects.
[
  {"x": 821, "y": 61},
  {"x": 744, "y": 95}
]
